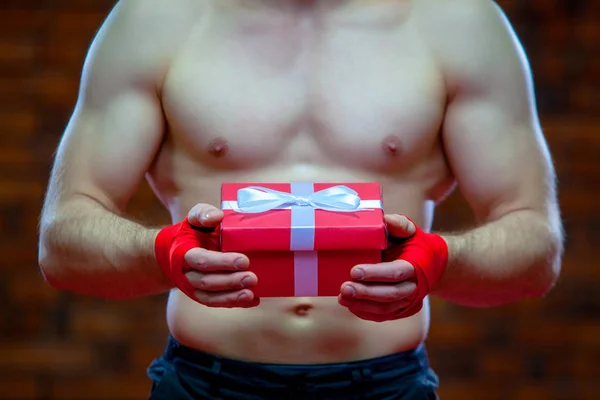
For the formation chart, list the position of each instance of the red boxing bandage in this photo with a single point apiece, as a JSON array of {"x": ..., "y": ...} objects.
[
  {"x": 428, "y": 254},
  {"x": 171, "y": 245}
]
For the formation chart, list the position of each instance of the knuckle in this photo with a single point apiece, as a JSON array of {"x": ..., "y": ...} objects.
[
  {"x": 193, "y": 256},
  {"x": 203, "y": 283},
  {"x": 397, "y": 274},
  {"x": 394, "y": 295},
  {"x": 201, "y": 262},
  {"x": 202, "y": 259},
  {"x": 404, "y": 267}
]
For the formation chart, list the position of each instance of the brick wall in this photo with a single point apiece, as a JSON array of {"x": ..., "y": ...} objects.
[{"x": 59, "y": 346}]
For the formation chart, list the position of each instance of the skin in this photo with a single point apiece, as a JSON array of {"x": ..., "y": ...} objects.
[{"x": 420, "y": 95}]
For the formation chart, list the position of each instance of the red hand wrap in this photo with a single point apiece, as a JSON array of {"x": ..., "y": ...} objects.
[
  {"x": 428, "y": 253},
  {"x": 171, "y": 245}
]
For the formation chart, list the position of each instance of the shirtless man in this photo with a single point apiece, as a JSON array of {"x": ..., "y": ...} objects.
[{"x": 415, "y": 94}]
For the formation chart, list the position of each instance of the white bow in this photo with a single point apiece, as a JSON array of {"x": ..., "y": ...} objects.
[{"x": 256, "y": 199}]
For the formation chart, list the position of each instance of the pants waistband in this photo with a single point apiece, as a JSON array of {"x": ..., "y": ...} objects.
[{"x": 413, "y": 361}]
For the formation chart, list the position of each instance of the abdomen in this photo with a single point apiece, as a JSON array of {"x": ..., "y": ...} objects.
[{"x": 291, "y": 331}]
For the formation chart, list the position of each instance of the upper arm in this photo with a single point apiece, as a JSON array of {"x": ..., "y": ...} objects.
[
  {"x": 117, "y": 125},
  {"x": 491, "y": 134}
]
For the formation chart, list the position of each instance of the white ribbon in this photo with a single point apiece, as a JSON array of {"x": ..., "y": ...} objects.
[{"x": 257, "y": 199}]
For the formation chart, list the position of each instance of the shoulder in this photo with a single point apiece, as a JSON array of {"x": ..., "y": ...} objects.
[
  {"x": 153, "y": 15},
  {"x": 462, "y": 15},
  {"x": 471, "y": 38},
  {"x": 143, "y": 34}
]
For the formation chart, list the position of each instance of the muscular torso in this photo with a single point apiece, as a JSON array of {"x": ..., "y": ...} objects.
[{"x": 345, "y": 93}]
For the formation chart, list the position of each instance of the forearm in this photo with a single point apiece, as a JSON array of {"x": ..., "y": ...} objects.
[
  {"x": 87, "y": 249},
  {"x": 514, "y": 257}
]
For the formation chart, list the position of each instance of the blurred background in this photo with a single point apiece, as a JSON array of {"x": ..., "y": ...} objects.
[{"x": 60, "y": 346}]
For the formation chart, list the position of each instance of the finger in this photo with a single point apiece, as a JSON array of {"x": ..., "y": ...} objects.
[
  {"x": 372, "y": 307},
  {"x": 393, "y": 271},
  {"x": 236, "y": 298},
  {"x": 379, "y": 293},
  {"x": 222, "y": 282},
  {"x": 374, "y": 317},
  {"x": 205, "y": 215},
  {"x": 207, "y": 260},
  {"x": 399, "y": 226}
]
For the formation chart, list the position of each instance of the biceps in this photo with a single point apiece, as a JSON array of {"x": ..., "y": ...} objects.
[
  {"x": 105, "y": 153},
  {"x": 500, "y": 160}
]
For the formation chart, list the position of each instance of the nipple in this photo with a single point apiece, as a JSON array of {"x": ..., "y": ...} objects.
[
  {"x": 391, "y": 146},
  {"x": 218, "y": 147}
]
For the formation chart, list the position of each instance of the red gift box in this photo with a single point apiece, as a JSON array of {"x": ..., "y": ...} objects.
[{"x": 303, "y": 239}]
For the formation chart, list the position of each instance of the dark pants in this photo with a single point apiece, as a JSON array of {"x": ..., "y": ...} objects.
[{"x": 183, "y": 373}]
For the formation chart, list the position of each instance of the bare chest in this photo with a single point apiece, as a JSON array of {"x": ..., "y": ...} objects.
[{"x": 254, "y": 92}]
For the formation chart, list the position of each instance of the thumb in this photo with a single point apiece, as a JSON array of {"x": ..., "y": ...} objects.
[
  {"x": 205, "y": 215},
  {"x": 400, "y": 226}
]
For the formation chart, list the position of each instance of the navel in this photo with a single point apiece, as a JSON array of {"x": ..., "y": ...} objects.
[
  {"x": 392, "y": 146},
  {"x": 218, "y": 147},
  {"x": 302, "y": 310}
]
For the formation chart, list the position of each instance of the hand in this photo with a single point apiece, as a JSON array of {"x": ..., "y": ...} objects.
[
  {"x": 189, "y": 254},
  {"x": 221, "y": 279},
  {"x": 380, "y": 292}
]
